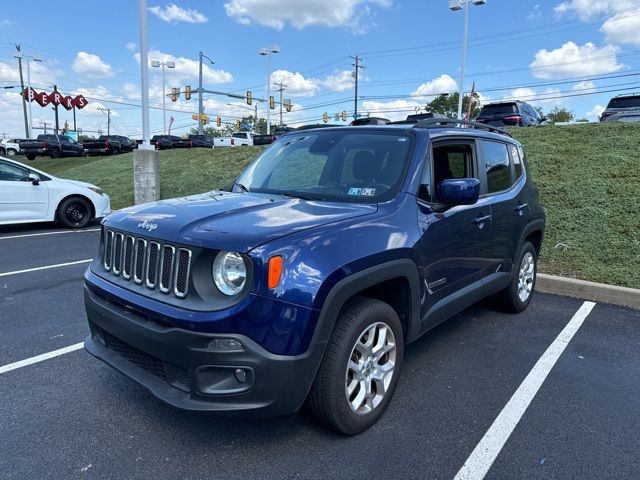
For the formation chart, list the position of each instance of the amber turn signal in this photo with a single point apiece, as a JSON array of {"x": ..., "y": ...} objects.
[{"x": 275, "y": 271}]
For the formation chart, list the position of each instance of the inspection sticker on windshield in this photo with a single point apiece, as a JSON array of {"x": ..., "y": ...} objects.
[{"x": 366, "y": 192}]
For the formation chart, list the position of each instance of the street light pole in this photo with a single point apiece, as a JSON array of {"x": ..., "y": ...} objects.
[
  {"x": 268, "y": 51},
  {"x": 456, "y": 5},
  {"x": 157, "y": 64},
  {"x": 144, "y": 74},
  {"x": 200, "y": 92}
]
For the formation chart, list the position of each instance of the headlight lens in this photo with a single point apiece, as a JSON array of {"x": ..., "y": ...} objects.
[
  {"x": 96, "y": 190},
  {"x": 229, "y": 272}
]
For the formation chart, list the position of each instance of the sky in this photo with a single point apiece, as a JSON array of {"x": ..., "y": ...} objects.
[{"x": 573, "y": 53}]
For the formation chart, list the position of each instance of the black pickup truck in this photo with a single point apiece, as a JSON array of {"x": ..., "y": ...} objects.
[
  {"x": 201, "y": 141},
  {"x": 264, "y": 139},
  {"x": 163, "y": 142},
  {"x": 104, "y": 145},
  {"x": 54, "y": 146}
]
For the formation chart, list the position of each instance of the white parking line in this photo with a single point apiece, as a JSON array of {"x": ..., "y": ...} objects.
[
  {"x": 47, "y": 267},
  {"x": 50, "y": 233},
  {"x": 40, "y": 358},
  {"x": 485, "y": 453}
]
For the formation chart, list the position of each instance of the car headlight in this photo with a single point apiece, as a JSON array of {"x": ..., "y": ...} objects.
[
  {"x": 229, "y": 272},
  {"x": 96, "y": 190}
]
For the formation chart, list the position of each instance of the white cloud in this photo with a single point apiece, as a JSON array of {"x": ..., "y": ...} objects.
[
  {"x": 586, "y": 86},
  {"x": 442, "y": 84},
  {"x": 297, "y": 84},
  {"x": 394, "y": 110},
  {"x": 623, "y": 28},
  {"x": 573, "y": 60},
  {"x": 172, "y": 13},
  {"x": 595, "y": 112},
  {"x": 91, "y": 65},
  {"x": 131, "y": 46},
  {"x": 535, "y": 13},
  {"x": 587, "y": 8},
  {"x": 339, "y": 81},
  {"x": 352, "y": 14},
  {"x": 187, "y": 69},
  {"x": 546, "y": 97}
]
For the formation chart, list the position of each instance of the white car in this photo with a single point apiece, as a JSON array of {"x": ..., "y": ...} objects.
[
  {"x": 244, "y": 139},
  {"x": 9, "y": 146},
  {"x": 29, "y": 195}
]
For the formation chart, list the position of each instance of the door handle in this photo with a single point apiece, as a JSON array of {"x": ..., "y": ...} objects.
[
  {"x": 520, "y": 208},
  {"x": 481, "y": 220}
]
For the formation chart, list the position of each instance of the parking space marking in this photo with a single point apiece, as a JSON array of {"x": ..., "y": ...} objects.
[
  {"x": 50, "y": 233},
  {"x": 47, "y": 267},
  {"x": 40, "y": 358},
  {"x": 485, "y": 453}
]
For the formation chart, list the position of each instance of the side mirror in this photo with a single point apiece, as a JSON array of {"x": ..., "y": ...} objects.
[
  {"x": 459, "y": 191},
  {"x": 34, "y": 178}
]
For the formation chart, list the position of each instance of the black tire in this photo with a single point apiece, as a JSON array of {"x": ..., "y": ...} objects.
[
  {"x": 30, "y": 157},
  {"x": 11, "y": 152},
  {"x": 328, "y": 397},
  {"x": 74, "y": 212},
  {"x": 509, "y": 299},
  {"x": 55, "y": 153}
]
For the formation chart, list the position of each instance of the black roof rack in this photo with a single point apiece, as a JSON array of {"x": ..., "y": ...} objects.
[
  {"x": 444, "y": 122},
  {"x": 632, "y": 94}
]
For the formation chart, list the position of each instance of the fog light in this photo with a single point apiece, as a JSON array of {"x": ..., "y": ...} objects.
[
  {"x": 225, "y": 345},
  {"x": 241, "y": 375}
]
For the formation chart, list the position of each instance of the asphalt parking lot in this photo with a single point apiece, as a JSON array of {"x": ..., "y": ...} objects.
[{"x": 70, "y": 416}]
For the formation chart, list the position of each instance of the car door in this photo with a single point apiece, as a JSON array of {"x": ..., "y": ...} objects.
[
  {"x": 503, "y": 184},
  {"x": 20, "y": 199},
  {"x": 454, "y": 239}
]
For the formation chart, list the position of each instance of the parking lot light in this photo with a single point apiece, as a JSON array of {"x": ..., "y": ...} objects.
[
  {"x": 267, "y": 53},
  {"x": 157, "y": 64}
]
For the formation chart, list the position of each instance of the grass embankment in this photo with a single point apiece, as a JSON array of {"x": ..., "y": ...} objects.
[{"x": 588, "y": 175}]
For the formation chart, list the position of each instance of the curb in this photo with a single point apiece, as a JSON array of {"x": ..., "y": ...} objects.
[{"x": 597, "y": 292}]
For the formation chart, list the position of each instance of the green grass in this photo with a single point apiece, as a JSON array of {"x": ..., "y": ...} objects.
[{"x": 588, "y": 175}]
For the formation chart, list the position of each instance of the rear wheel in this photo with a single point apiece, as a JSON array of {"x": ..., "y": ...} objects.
[
  {"x": 55, "y": 153},
  {"x": 516, "y": 297},
  {"x": 11, "y": 152},
  {"x": 360, "y": 370},
  {"x": 30, "y": 157},
  {"x": 74, "y": 212}
]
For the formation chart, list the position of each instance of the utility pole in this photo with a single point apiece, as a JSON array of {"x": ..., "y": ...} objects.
[
  {"x": 24, "y": 100},
  {"x": 356, "y": 67},
  {"x": 281, "y": 88},
  {"x": 108, "y": 115},
  {"x": 44, "y": 124}
]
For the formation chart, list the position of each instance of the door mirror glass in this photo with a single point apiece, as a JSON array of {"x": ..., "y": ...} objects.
[
  {"x": 459, "y": 191},
  {"x": 34, "y": 178}
]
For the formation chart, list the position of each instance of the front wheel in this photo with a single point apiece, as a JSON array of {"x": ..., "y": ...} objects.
[
  {"x": 55, "y": 153},
  {"x": 360, "y": 370},
  {"x": 11, "y": 152},
  {"x": 30, "y": 157},
  {"x": 74, "y": 213},
  {"x": 517, "y": 296}
]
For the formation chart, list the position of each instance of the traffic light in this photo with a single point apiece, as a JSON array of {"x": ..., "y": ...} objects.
[
  {"x": 325, "y": 117},
  {"x": 272, "y": 102},
  {"x": 174, "y": 94},
  {"x": 287, "y": 105},
  {"x": 218, "y": 121},
  {"x": 249, "y": 97},
  {"x": 237, "y": 124},
  {"x": 343, "y": 116},
  {"x": 187, "y": 92}
]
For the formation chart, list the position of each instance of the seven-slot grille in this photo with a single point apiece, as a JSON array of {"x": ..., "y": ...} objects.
[{"x": 149, "y": 263}]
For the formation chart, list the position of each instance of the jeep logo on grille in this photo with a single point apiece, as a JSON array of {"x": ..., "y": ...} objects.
[{"x": 148, "y": 226}]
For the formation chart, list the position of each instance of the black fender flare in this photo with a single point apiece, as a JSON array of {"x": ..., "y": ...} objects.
[{"x": 537, "y": 225}]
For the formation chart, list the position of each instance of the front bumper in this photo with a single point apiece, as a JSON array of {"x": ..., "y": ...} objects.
[
  {"x": 102, "y": 205},
  {"x": 182, "y": 368}
]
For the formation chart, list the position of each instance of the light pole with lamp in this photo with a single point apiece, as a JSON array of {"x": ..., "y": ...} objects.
[
  {"x": 157, "y": 64},
  {"x": 456, "y": 5},
  {"x": 267, "y": 52},
  {"x": 29, "y": 59},
  {"x": 200, "y": 92}
]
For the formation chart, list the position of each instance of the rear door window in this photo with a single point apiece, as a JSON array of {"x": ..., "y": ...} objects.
[{"x": 497, "y": 165}]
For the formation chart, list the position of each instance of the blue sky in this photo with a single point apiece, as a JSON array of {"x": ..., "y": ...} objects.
[{"x": 567, "y": 52}]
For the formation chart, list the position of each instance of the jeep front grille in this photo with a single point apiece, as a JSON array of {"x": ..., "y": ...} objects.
[{"x": 149, "y": 263}]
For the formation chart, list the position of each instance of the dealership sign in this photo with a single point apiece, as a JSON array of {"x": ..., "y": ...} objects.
[{"x": 55, "y": 98}]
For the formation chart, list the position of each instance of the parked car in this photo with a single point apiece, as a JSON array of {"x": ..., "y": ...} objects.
[
  {"x": 621, "y": 104},
  {"x": 104, "y": 145},
  {"x": 510, "y": 114},
  {"x": 31, "y": 195},
  {"x": 10, "y": 146},
  {"x": 370, "y": 121},
  {"x": 631, "y": 116},
  {"x": 278, "y": 131},
  {"x": 51, "y": 145},
  {"x": 126, "y": 144},
  {"x": 263, "y": 139},
  {"x": 201, "y": 141},
  {"x": 236, "y": 139},
  {"x": 305, "y": 281},
  {"x": 163, "y": 142}
]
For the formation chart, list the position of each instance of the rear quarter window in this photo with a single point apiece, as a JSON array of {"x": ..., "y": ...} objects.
[{"x": 498, "y": 171}]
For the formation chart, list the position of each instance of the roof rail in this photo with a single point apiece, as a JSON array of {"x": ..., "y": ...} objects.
[
  {"x": 632, "y": 94},
  {"x": 444, "y": 122}
]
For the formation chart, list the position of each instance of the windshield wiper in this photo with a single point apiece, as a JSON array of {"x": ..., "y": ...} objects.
[{"x": 243, "y": 188}]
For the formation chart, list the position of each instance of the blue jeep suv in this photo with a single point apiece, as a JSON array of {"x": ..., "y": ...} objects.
[{"x": 306, "y": 279}]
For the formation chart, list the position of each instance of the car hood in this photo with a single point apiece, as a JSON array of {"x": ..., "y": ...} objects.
[
  {"x": 78, "y": 183},
  {"x": 230, "y": 221}
]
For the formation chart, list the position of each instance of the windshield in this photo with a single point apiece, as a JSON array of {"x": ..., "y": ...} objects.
[
  {"x": 625, "y": 102},
  {"x": 334, "y": 165}
]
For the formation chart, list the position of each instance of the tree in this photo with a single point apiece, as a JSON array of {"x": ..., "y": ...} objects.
[
  {"x": 560, "y": 114},
  {"x": 446, "y": 105}
]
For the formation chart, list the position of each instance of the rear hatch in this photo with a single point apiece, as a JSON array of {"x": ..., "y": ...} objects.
[
  {"x": 500, "y": 114},
  {"x": 621, "y": 104}
]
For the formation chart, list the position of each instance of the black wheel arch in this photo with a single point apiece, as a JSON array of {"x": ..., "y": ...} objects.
[{"x": 534, "y": 233}]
